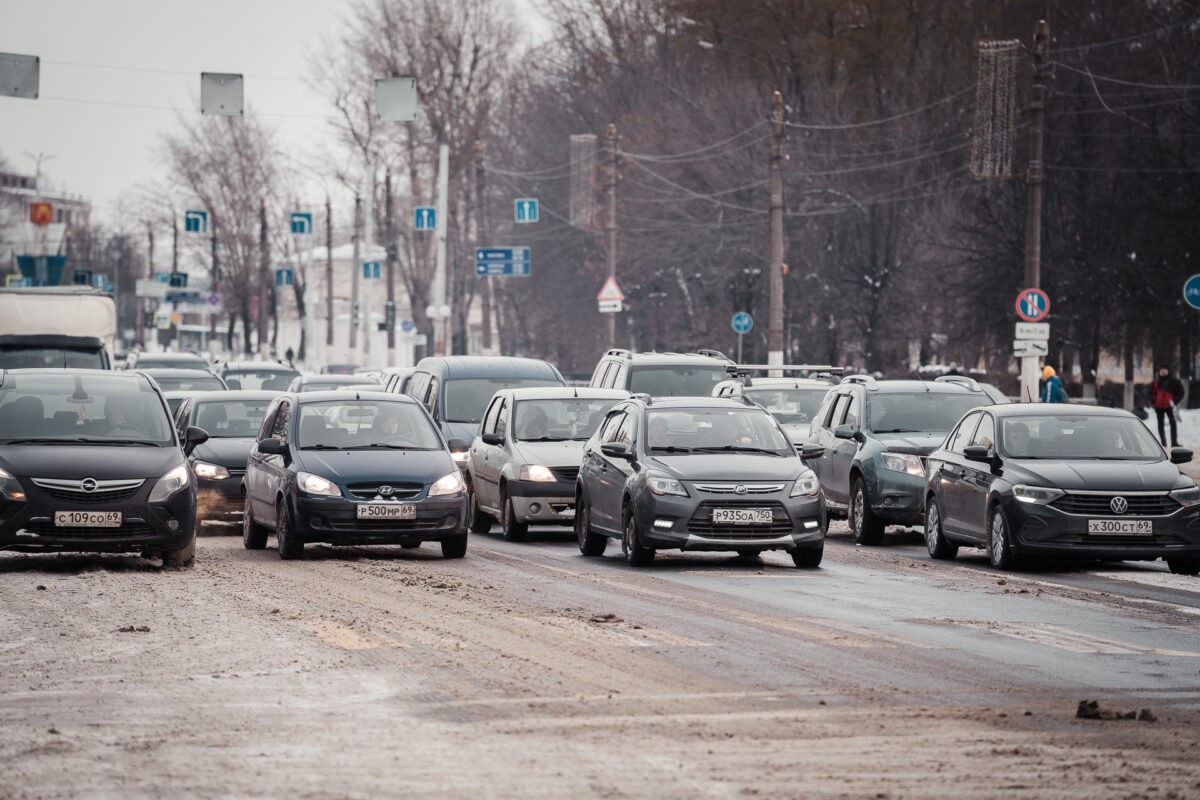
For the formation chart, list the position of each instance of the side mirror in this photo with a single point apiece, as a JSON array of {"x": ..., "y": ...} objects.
[
  {"x": 1180, "y": 455},
  {"x": 977, "y": 452},
  {"x": 272, "y": 447},
  {"x": 492, "y": 438},
  {"x": 844, "y": 432},
  {"x": 458, "y": 445},
  {"x": 197, "y": 436},
  {"x": 811, "y": 451},
  {"x": 617, "y": 449}
]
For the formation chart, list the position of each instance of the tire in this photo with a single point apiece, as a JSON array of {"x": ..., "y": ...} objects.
[
  {"x": 935, "y": 537},
  {"x": 181, "y": 556},
  {"x": 1000, "y": 551},
  {"x": 254, "y": 536},
  {"x": 481, "y": 521},
  {"x": 635, "y": 554},
  {"x": 289, "y": 545},
  {"x": 590, "y": 542},
  {"x": 867, "y": 528},
  {"x": 514, "y": 531},
  {"x": 455, "y": 546},
  {"x": 808, "y": 557},
  {"x": 1184, "y": 566}
]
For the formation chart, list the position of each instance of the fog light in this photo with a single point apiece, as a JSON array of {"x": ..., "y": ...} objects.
[
  {"x": 811, "y": 523},
  {"x": 173, "y": 524},
  {"x": 663, "y": 523},
  {"x": 535, "y": 508},
  {"x": 887, "y": 501}
]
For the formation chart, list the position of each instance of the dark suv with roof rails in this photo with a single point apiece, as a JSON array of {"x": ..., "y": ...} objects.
[
  {"x": 877, "y": 436},
  {"x": 661, "y": 374}
]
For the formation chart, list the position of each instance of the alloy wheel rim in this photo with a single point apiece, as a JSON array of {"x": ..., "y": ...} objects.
[
  {"x": 931, "y": 523},
  {"x": 997, "y": 539},
  {"x": 581, "y": 524},
  {"x": 856, "y": 510}
]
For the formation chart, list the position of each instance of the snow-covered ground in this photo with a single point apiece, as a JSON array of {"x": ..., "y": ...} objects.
[{"x": 1189, "y": 427}]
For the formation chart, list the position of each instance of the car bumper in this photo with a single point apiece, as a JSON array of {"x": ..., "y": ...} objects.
[
  {"x": 1045, "y": 530},
  {"x": 669, "y": 522},
  {"x": 542, "y": 502},
  {"x": 895, "y": 497},
  {"x": 334, "y": 520}
]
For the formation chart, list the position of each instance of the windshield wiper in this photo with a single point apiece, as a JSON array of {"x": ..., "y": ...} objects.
[
  {"x": 547, "y": 439},
  {"x": 323, "y": 447},
  {"x": 671, "y": 449},
  {"x": 381, "y": 446},
  {"x": 733, "y": 448},
  {"x": 898, "y": 430},
  {"x": 82, "y": 440},
  {"x": 46, "y": 440},
  {"x": 142, "y": 442}
]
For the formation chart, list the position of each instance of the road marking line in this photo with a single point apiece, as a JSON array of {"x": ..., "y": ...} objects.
[
  {"x": 1064, "y": 638},
  {"x": 828, "y": 631}
]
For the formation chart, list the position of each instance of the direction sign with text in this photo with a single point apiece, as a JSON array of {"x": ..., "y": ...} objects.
[
  {"x": 1030, "y": 347},
  {"x": 494, "y": 261},
  {"x": 1032, "y": 330},
  {"x": 610, "y": 306}
]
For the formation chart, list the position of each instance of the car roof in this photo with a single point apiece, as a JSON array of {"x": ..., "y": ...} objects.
[
  {"x": 788, "y": 383},
  {"x": 328, "y": 395},
  {"x": 667, "y": 358},
  {"x": 333, "y": 377},
  {"x": 172, "y": 356},
  {"x": 112, "y": 373},
  {"x": 259, "y": 365},
  {"x": 488, "y": 366},
  {"x": 565, "y": 392},
  {"x": 901, "y": 385},
  {"x": 173, "y": 372},
  {"x": 697, "y": 401},
  {"x": 1055, "y": 410},
  {"x": 230, "y": 394}
]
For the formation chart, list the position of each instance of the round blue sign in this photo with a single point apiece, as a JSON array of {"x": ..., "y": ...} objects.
[
  {"x": 742, "y": 322},
  {"x": 1191, "y": 291}
]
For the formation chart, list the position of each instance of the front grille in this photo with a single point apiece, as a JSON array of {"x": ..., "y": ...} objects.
[
  {"x": 105, "y": 492},
  {"x": 1147, "y": 505},
  {"x": 400, "y": 491},
  {"x": 747, "y": 488},
  {"x": 50, "y": 530},
  {"x": 565, "y": 474},
  {"x": 701, "y": 522}
]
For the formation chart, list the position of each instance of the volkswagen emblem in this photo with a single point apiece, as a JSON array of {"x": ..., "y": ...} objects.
[
  {"x": 88, "y": 485},
  {"x": 386, "y": 491},
  {"x": 740, "y": 488},
  {"x": 1119, "y": 505}
]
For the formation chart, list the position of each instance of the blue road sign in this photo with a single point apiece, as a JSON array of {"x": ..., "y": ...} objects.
[
  {"x": 1033, "y": 305},
  {"x": 525, "y": 209},
  {"x": 370, "y": 269},
  {"x": 183, "y": 297},
  {"x": 302, "y": 222},
  {"x": 496, "y": 261},
  {"x": 162, "y": 277},
  {"x": 82, "y": 276},
  {"x": 1191, "y": 291},
  {"x": 424, "y": 218},
  {"x": 284, "y": 277},
  {"x": 742, "y": 322},
  {"x": 177, "y": 279},
  {"x": 195, "y": 221}
]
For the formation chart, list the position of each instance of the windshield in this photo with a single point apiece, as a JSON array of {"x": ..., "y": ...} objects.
[
  {"x": 467, "y": 398},
  {"x": 789, "y": 405},
  {"x": 680, "y": 380},
  {"x": 365, "y": 425},
  {"x": 151, "y": 362},
  {"x": 921, "y": 412},
  {"x": 575, "y": 419},
  {"x": 709, "y": 429},
  {"x": 1079, "y": 436},
  {"x": 231, "y": 419},
  {"x": 82, "y": 408},
  {"x": 198, "y": 383},
  {"x": 270, "y": 379},
  {"x": 50, "y": 357}
]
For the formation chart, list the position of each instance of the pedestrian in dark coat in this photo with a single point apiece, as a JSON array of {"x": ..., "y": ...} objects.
[{"x": 1166, "y": 392}]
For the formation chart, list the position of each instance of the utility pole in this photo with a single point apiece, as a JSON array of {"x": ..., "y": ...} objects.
[
  {"x": 389, "y": 233},
  {"x": 265, "y": 283},
  {"x": 328, "y": 273},
  {"x": 369, "y": 250},
  {"x": 175, "y": 244},
  {"x": 1035, "y": 180},
  {"x": 215, "y": 281},
  {"x": 775, "y": 312},
  {"x": 610, "y": 222},
  {"x": 441, "y": 314},
  {"x": 481, "y": 241},
  {"x": 355, "y": 267}
]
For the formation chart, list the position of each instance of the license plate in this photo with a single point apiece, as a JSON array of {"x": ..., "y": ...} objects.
[
  {"x": 1121, "y": 527},
  {"x": 742, "y": 516},
  {"x": 386, "y": 511},
  {"x": 87, "y": 519}
]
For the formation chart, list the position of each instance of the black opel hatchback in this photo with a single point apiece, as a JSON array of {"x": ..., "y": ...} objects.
[{"x": 89, "y": 461}]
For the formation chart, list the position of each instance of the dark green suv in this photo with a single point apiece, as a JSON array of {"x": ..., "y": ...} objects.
[{"x": 877, "y": 437}]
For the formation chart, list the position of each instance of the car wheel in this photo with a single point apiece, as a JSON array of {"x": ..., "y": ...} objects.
[
  {"x": 481, "y": 522},
  {"x": 286, "y": 540},
  {"x": 1184, "y": 566},
  {"x": 181, "y": 556},
  {"x": 635, "y": 554},
  {"x": 455, "y": 546},
  {"x": 514, "y": 531},
  {"x": 935, "y": 538},
  {"x": 1000, "y": 551},
  {"x": 867, "y": 528},
  {"x": 254, "y": 536},
  {"x": 808, "y": 557},
  {"x": 590, "y": 542}
]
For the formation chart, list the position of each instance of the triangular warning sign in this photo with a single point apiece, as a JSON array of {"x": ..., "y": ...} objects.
[{"x": 610, "y": 291}]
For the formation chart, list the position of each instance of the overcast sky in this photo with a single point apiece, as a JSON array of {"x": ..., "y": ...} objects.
[{"x": 115, "y": 74}]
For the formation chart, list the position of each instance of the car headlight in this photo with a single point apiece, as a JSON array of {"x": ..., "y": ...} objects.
[
  {"x": 461, "y": 457},
  {"x": 1040, "y": 495},
  {"x": 663, "y": 484},
  {"x": 903, "y": 462},
  {"x": 1187, "y": 497},
  {"x": 214, "y": 472},
  {"x": 10, "y": 487},
  {"x": 451, "y": 483},
  {"x": 806, "y": 484},
  {"x": 315, "y": 484},
  {"x": 536, "y": 472},
  {"x": 170, "y": 483}
]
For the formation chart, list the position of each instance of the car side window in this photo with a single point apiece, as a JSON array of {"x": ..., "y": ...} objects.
[
  {"x": 264, "y": 429},
  {"x": 417, "y": 384},
  {"x": 608, "y": 429},
  {"x": 181, "y": 418},
  {"x": 620, "y": 378},
  {"x": 962, "y": 434},
  {"x": 627, "y": 430},
  {"x": 826, "y": 408},
  {"x": 604, "y": 374},
  {"x": 854, "y": 412},
  {"x": 502, "y": 418},
  {"x": 985, "y": 434},
  {"x": 280, "y": 426},
  {"x": 839, "y": 410},
  {"x": 431, "y": 398},
  {"x": 492, "y": 414}
]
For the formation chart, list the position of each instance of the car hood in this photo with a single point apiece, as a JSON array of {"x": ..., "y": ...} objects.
[
  {"x": 921, "y": 444},
  {"x": 1096, "y": 476},
  {"x": 89, "y": 461},
  {"x": 551, "y": 454},
  {"x": 741, "y": 467},
  {"x": 225, "y": 452},
  {"x": 460, "y": 430},
  {"x": 353, "y": 466}
]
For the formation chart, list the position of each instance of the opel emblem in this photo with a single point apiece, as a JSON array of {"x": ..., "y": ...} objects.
[
  {"x": 740, "y": 488},
  {"x": 88, "y": 485},
  {"x": 386, "y": 491},
  {"x": 1119, "y": 505}
]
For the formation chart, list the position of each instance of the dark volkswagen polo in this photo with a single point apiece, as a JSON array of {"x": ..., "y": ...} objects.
[
  {"x": 1026, "y": 480},
  {"x": 353, "y": 469},
  {"x": 89, "y": 461}
]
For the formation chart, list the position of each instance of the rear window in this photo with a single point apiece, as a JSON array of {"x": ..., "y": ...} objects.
[
  {"x": 50, "y": 358},
  {"x": 231, "y": 419},
  {"x": 680, "y": 380},
  {"x": 467, "y": 398},
  {"x": 82, "y": 408},
  {"x": 921, "y": 412},
  {"x": 197, "y": 383},
  {"x": 269, "y": 379},
  {"x": 790, "y": 405}
]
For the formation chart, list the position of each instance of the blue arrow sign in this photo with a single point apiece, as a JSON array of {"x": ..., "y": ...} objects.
[
  {"x": 424, "y": 218},
  {"x": 742, "y": 322},
  {"x": 302, "y": 222},
  {"x": 1191, "y": 291},
  {"x": 284, "y": 277},
  {"x": 525, "y": 209},
  {"x": 493, "y": 261},
  {"x": 370, "y": 269},
  {"x": 195, "y": 221}
]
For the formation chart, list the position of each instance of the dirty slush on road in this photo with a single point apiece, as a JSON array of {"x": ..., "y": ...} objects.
[{"x": 368, "y": 672}]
